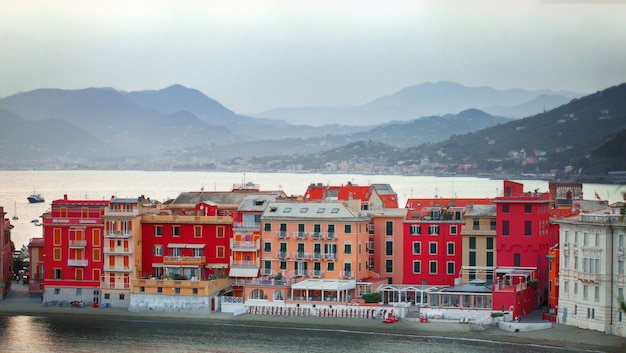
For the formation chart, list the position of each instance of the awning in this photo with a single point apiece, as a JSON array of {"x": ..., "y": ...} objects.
[
  {"x": 216, "y": 265},
  {"x": 325, "y": 284},
  {"x": 244, "y": 272}
]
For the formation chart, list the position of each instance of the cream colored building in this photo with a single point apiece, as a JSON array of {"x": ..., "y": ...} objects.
[
  {"x": 479, "y": 243},
  {"x": 591, "y": 272}
]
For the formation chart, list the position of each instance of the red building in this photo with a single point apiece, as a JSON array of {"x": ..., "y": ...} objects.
[
  {"x": 375, "y": 196},
  {"x": 191, "y": 244},
  {"x": 432, "y": 239},
  {"x": 73, "y": 233},
  {"x": 523, "y": 241},
  {"x": 6, "y": 254}
]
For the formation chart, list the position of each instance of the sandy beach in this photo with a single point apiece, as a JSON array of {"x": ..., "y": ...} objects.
[{"x": 568, "y": 337}]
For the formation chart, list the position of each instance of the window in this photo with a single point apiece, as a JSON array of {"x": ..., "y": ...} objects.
[
  {"x": 597, "y": 242},
  {"x": 58, "y": 273},
  {"x": 267, "y": 227},
  {"x": 389, "y": 248},
  {"x": 220, "y": 253},
  {"x": 489, "y": 259},
  {"x": 517, "y": 259},
  {"x": 79, "y": 291},
  {"x": 287, "y": 210},
  {"x": 57, "y": 290},
  {"x": 433, "y": 229},
  {"x": 57, "y": 237},
  {"x": 417, "y": 248},
  {"x": 177, "y": 290},
  {"x": 347, "y": 248},
  {"x": 596, "y": 293},
  {"x": 107, "y": 296},
  {"x": 492, "y": 224},
  {"x": 176, "y": 252},
  {"x": 122, "y": 296},
  {"x": 158, "y": 231},
  {"x": 157, "y": 250},
  {"x": 453, "y": 230},
  {"x": 283, "y": 265},
  {"x": 490, "y": 243},
  {"x": 416, "y": 229},
  {"x": 334, "y": 210},
  {"x": 417, "y": 266},
  {"x": 505, "y": 228},
  {"x": 476, "y": 224},
  {"x": 176, "y": 231},
  {"x": 585, "y": 239},
  {"x": 219, "y": 232},
  {"x": 450, "y": 266},
  {"x": 142, "y": 289},
  {"x": 321, "y": 210},
  {"x": 347, "y": 228},
  {"x": 57, "y": 254},
  {"x": 267, "y": 247},
  {"x": 505, "y": 209},
  {"x": 585, "y": 291},
  {"x": 472, "y": 242},
  {"x": 330, "y": 267},
  {"x": 528, "y": 228},
  {"x": 472, "y": 258},
  {"x": 433, "y": 267},
  {"x": 159, "y": 289},
  {"x": 528, "y": 209},
  {"x": 565, "y": 286},
  {"x": 389, "y": 228},
  {"x": 194, "y": 290},
  {"x": 197, "y": 232},
  {"x": 575, "y": 288},
  {"x": 450, "y": 248},
  {"x": 304, "y": 210},
  {"x": 432, "y": 248},
  {"x": 388, "y": 266}
]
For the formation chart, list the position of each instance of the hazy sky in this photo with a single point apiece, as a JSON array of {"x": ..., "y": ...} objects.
[{"x": 253, "y": 55}]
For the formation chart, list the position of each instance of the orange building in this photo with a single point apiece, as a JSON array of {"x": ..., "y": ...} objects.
[{"x": 36, "y": 267}]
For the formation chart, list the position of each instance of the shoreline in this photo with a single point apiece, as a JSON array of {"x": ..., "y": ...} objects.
[{"x": 561, "y": 336}]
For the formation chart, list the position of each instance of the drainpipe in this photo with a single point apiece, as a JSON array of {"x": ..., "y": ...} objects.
[{"x": 611, "y": 271}]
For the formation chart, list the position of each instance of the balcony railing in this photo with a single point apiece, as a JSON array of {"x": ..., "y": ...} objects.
[
  {"x": 330, "y": 256},
  {"x": 300, "y": 235},
  {"x": 109, "y": 212},
  {"x": 281, "y": 254},
  {"x": 281, "y": 234},
  {"x": 316, "y": 235},
  {"x": 347, "y": 274},
  {"x": 316, "y": 273},
  {"x": 187, "y": 260},
  {"x": 78, "y": 263},
  {"x": 245, "y": 245},
  {"x": 255, "y": 225},
  {"x": 118, "y": 234},
  {"x": 108, "y": 285},
  {"x": 117, "y": 250},
  {"x": 298, "y": 255},
  {"x": 108, "y": 268},
  {"x": 244, "y": 263},
  {"x": 331, "y": 236},
  {"x": 78, "y": 243}
]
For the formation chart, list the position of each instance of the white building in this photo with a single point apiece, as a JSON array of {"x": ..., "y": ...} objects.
[{"x": 591, "y": 270}]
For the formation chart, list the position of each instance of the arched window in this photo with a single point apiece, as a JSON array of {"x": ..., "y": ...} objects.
[
  {"x": 257, "y": 294},
  {"x": 278, "y": 295}
]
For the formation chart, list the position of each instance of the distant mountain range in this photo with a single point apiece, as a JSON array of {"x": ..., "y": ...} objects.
[
  {"x": 428, "y": 99},
  {"x": 180, "y": 128}
]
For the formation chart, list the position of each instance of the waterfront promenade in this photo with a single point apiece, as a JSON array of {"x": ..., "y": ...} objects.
[{"x": 570, "y": 338}]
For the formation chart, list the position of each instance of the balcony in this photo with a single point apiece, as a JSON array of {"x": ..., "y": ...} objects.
[
  {"x": 108, "y": 285},
  {"x": 300, "y": 235},
  {"x": 281, "y": 254},
  {"x": 316, "y": 235},
  {"x": 247, "y": 225},
  {"x": 317, "y": 256},
  {"x": 245, "y": 245},
  {"x": 330, "y": 256},
  {"x": 118, "y": 234},
  {"x": 331, "y": 236},
  {"x": 120, "y": 268},
  {"x": 588, "y": 277},
  {"x": 347, "y": 274},
  {"x": 267, "y": 271},
  {"x": 117, "y": 251},
  {"x": 317, "y": 273},
  {"x": 78, "y": 263},
  {"x": 77, "y": 243},
  {"x": 298, "y": 255},
  {"x": 245, "y": 263},
  {"x": 184, "y": 260},
  {"x": 281, "y": 234}
]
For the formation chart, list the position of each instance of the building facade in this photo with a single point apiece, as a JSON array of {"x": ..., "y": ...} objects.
[{"x": 73, "y": 243}]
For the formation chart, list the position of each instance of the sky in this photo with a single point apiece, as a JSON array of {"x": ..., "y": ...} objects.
[{"x": 255, "y": 55}]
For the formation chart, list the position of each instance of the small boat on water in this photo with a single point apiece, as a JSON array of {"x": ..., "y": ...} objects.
[{"x": 36, "y": 198}]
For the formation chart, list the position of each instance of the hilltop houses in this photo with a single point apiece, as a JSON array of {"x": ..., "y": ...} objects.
[{"x": 325, "y": 253}]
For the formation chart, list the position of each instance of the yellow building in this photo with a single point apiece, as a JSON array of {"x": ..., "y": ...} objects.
[{"x": 479, "y": 243}]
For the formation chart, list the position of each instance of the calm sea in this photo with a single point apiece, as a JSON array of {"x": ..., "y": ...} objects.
[
  {"x": 15, "y": 186},
  {"x": 79, "y": 334}
]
